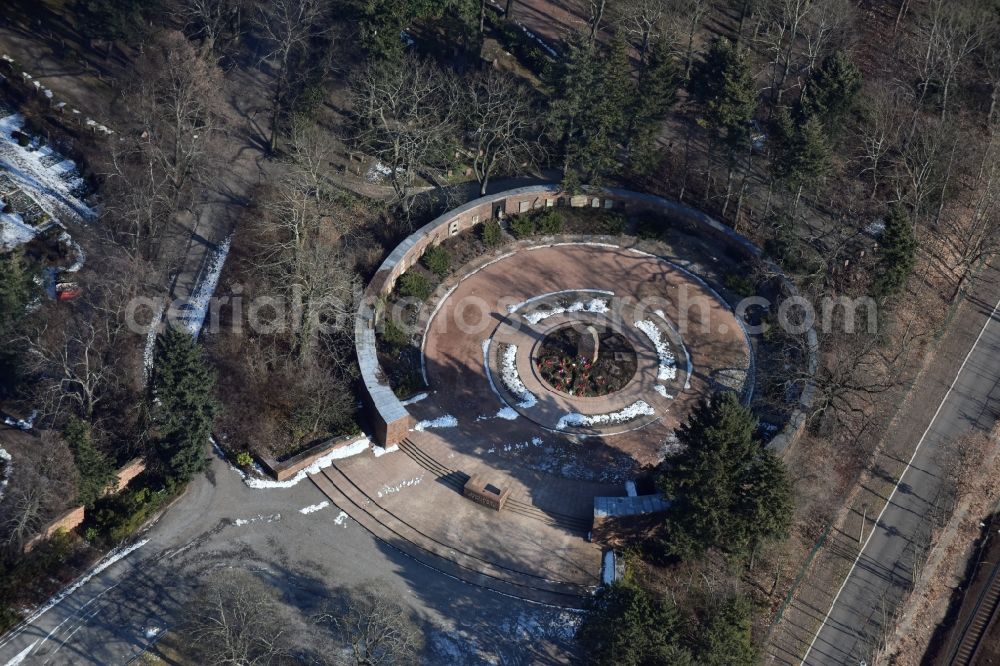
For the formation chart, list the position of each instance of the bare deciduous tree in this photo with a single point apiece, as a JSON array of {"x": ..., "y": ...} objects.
[
  {"x": 500, "y": 126},
  {"x": 236, "y": 620},
  {"x": 215, "y": 22},
  {"x": 642, "y": 19},
  {"x": 288, "y": 26},
  {"x": 378, "y": 630},
  {"x": 406, "y": 117}
]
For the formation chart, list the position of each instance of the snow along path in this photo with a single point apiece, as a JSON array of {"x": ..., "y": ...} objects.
[
  {"x": 111, "y": 558},
  {"x": 353, "y": 449},
  {"x": 633, "y": 411},
  {"x": 197, "y": 305}
]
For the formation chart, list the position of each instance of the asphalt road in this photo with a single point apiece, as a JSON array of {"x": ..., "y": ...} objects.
[
  {"x": 883, "y": 570},
  {"x": 308, "y": 558}
]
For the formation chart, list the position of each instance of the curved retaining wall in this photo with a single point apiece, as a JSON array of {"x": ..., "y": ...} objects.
[{"x": 390, "y": 418}]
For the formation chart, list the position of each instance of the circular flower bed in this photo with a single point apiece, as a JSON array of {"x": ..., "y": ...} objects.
[{"x": 561, "y": 368}]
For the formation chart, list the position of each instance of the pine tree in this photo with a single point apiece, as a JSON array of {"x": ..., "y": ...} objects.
[
  {"x": 831, "y": 91},
  {"x": 722, "y": 85},
  {"x": 184, "y": 404},
  {"x": 606, "y": 122},
  {"x": 17, "y": 290},
  {"x": 802, "y": 153},
  {"x": 97, "y": 473},
  {"x": 656, "y": 93},
  {"x": 627, "y": 625},
  {"x": 573, "y": 83},
  {"x": 727, "y": 639},
  {"x": 897, "y": 253},
  {"x": 726, "y": 489}
]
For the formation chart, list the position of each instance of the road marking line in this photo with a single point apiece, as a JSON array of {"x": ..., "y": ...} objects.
[{"x": 909, "y": 464}]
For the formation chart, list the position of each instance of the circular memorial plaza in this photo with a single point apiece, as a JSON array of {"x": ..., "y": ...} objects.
[{"x": 554, "y": 369}]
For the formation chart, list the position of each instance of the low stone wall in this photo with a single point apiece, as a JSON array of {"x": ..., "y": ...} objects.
[
  {"x": 73, "y": 518},
  {"x": 286, "y": 469},
  {"x": 129, "y": 471},
  {"x": 390, "y": 418},
  {"x": 69, "y": 520}
]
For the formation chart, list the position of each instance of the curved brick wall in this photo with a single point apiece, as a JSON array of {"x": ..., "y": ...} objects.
[{"x": 390, "y": 418}]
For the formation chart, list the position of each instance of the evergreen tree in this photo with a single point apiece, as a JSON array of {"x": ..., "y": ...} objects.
[
  {"x": 897, "y": 253},
  {"x": 97, "y": 473},
  {"x": 573, "y": 82},
  {"x": 17, "y": 289},
  {"x": 183, "y": 404},
  {"x": 802, "y": 154},
  {"x": 726, "y": 639},
  {"x": 831, "y": 91},
  {"x": 726, "y": 490},
  {"x": 723, "y": 87},
  {"x": 607, "y": 119},
  {"x": 627, "y": 625},
  {"x": 588, "y": 114},
  {"x": 655, "y": 94}
]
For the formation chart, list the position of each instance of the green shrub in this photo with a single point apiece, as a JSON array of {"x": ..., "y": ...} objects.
[
  {"x": 120, "y": 516},
  {"x": 522, "y": 226},
  {"x": 244, "y": 459},
  {"x": 414, "y": 285},
  {"x": 492, "y": 233},
  {"x": 649, "y": 228},
  {"x": 550, "y": 222},
  {"x": 740, "y": 284},
  {"x": 394, "y": 335},
  {"x": 437, "y": 260},
  {"x": 611, "y": 224}
]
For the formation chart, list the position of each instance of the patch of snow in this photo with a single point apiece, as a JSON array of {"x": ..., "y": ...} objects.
[
  {"x": 149, "y": 351},
  {"x": 512, "y": 380},
  {"x": 23, "y": 654},
  {"x": 13, "y": 230},
  {"x": 353, "y": 449},
  {"x": 313, "y": 508},
  {"x": 415, "y": 399},
  {"x": 151, "y": 632},
  {"x": 378, "y": 172},
  {"x": 538, "y": 40},
  {"x": 513, "y": 448},
  {"x": 260, "y": 518},
  {"x": 633, "y": 411},
  {"x": 8, "y": 468},
  {"x": 511, "y": 309},
  {"x": 446, "y": 421},
  {"x": 111, "y": 558},
  {"x": 51, "y": 187},
  {"x": 380, "y": 451},
  {"x": 341, "y": 519},
  {"x": 507, "y": 414},
  {"x": 875, "y": 229},
  {"x": 668, "y": 363},
  {"x": 389, "y": 490},
  {"x": 197, "y": 305},
  {"x": 630, "y": 488},
  {"x": 406, "y": 39},
  {"x": 23, "y": 424},
  {"x": 662, "y": 390},
  {"x": 595, "y": 305},
  {"x": 79, "y": 256},
  {"x": 608, "y": 568},
  {"x": 687, "y": 356}
]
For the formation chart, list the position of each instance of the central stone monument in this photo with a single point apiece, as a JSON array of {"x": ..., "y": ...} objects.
[{"x": 589, "y": 344}]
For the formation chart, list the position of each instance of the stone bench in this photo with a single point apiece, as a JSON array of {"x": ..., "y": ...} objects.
[{"x": 487, "y": 494}]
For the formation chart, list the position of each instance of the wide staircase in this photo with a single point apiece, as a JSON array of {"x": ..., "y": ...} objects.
[{"x": 452, "y": 559}]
